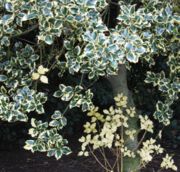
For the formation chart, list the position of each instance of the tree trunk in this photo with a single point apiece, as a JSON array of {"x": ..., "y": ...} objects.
[{"x": 119, "y": 85}]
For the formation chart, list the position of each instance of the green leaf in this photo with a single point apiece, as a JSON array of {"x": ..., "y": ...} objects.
[
  {"x": 3, "y": 90},
  {"x": 132, "y": 57},
  {"x": 63, "y": 121},
  {"x": 68, "y": 45},
  {"x": 40, "y": 109},
  {"x": 57, "y": 94},
  {"x": 6, "y": 19},
  {"x": 58, "y": 154},
  {"x": 9, "y": 7},
  {"x": 51, "y": 152},
  {"x": 56, "y": 115},
  {"x": 3, "y": 78},
  {"x": 91, "y": 3},
  {"x": 66, "y": 150},
  {"x": 30, "y": 142},
  {"x": 54, "y": 123},
  {"x": 30, "y": 16},
  {"x": 48, "y": 39}
]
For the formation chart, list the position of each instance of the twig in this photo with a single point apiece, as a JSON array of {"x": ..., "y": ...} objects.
[
  {"x": 25, "y": 32},
  {"x": 122, "y": 132},
  {"x": 105, "y": 159},
  {"x": 97, "y": 159},
  {"x": 60, "y": 54},
  {"x": 142, "y": 138}
]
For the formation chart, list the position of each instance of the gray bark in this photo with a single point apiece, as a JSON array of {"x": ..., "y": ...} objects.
[{"x": 119, "y": 85}]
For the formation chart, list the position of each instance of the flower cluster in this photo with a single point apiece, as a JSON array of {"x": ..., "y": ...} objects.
[
  {"x": 130, "y": 133},
  {"x": 121, "y": 101},
  {"x": 146, "y": 123},
  {"x": 112, "y": 129},
  {"x": 147, "y": 151},
  {"x": 40, "y": 74},
  {"x": 168, "y": 163},
  {"x": 103, "y": 128}
]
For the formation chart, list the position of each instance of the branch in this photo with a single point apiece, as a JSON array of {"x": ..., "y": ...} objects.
[{"x": 25, "y": 32}]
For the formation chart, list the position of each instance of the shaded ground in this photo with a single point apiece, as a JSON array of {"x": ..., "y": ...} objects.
[{"x": 24, "y": 161}]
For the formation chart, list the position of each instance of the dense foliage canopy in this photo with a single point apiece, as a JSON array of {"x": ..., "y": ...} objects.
[{"x": 75, "y": 37}]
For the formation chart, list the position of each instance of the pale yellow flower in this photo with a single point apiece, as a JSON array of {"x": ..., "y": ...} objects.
[
  {"x": 158, "y": 149},
  {"x": 35, "y": 76},
  {"x": 160, "y": 134},
  {"x": 93, "y": 119},
  {"x": 127, "y": 152},
  {"x": 121, "y": 101},
  {"x": 40, "y": 74},
  {"x": 148, "y": 149},
  {"x": 90, "y": 127},
  {"x": 146, "y": 123},
  {"x": 130, "y": 133},
  {"x": 93, "y": 111},
  {"x": 168, "y": 163},
  {"x": 41, "y": 70},
  {"x": 131, "y": 111},
  {"x": 83, "y": 153},
  {"x": 82, "y": 139},
  {"x": 44, "y": 79}
]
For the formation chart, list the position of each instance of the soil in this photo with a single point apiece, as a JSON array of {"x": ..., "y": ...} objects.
[{"x": 25, "y": 161}]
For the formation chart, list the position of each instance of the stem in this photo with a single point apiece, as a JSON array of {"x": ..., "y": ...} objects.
[
  {"x": 81, "y": 81},
  {"x": 26, "y": 32},
  {"x": 142, "y": 138},
  {"x": 29, "y": 42},
  {"x": 105, "y": 159},
  {"x": 89, "y": 86},
  {"x": 122, "y": 152},
  {"x": 60, "y": 54},
  {"x": 117, "y": 158},
  {"x": 41, "y": 55},
  {"x": 96, "y": 158},
  {"x": 66, "y": 109},
  {"x": 118, "y": 167}
]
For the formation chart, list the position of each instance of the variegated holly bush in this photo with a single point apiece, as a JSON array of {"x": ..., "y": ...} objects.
[{"x": 38, "y": 37}]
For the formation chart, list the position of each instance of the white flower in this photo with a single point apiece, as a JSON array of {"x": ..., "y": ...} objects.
[
  {"x": 146, "y": 123},
  {"x": 168, "y": 163},
  {"x": 127, "y": 152},
  {"x": 35, "y": 76},
  {"x": 41, "y": 70},
  {"x": 44, "y": 79},
  {"x": 121, "y": 101},
  {"x": 160, "y": 134},
  {"x": 82, "y": 139},
  {"x": 145, "y": 155},
  {"x": 90, "y": 127},
  {"x": 85, "y": 153},
  {"x": 130, "y": 133},
  {"x": 147, "y": 150},
  {"x": 158, "y": 149},
  {"x": 93, "y": 111},
  {"x": 40, "y": 74},
  {"x": 131, "y": 111}
]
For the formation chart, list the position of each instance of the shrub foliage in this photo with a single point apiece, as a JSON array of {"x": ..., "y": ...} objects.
[{"x": 38, "y": 37}]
